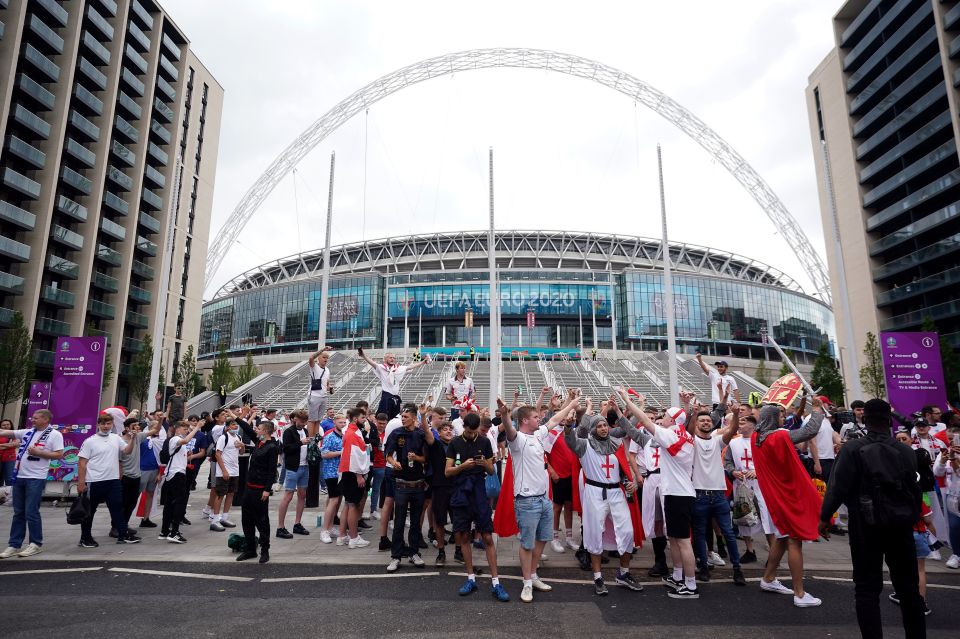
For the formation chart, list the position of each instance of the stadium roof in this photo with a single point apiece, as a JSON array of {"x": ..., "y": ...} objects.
[{"x": 467, "y": 250}]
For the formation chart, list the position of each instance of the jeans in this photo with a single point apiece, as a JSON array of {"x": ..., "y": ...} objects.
[
  {"x": 713, "y": 504},
  {"x": 376, "y": 479},
  {"x": 130, "y": 487},
  {"x": 869, "y": 547},
  {"x": 26, "y": 512},
  {"x": 108, "y": 491},
  {"x": 6, "y": 472},
  {"x": 954, "y": 525},
  {"x": 407, "y": 499}
]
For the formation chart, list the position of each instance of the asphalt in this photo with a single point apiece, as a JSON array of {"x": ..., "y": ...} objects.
[{"x": 115, "y": 599}]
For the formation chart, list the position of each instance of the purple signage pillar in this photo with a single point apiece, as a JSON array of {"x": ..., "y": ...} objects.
[
  {"x": 75, "y": 397},
  {"x": 39, "y": 398},
  {"x": 913, "y": 372}
]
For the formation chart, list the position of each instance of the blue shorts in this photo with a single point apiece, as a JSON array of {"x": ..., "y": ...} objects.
[
  {"x": 295, "y": 479},
  {"x": 921, "y": 541},
  {"x": 534, "y": 519}
]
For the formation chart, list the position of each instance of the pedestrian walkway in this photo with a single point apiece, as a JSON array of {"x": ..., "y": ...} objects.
[{"x": 204, "y": 545}]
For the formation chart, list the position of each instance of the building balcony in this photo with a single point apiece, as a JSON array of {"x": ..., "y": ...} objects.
[
  {"x": 110, "y": 6},
  {"x": 171, "y": 46},
  {"x": 32, "y": 121},
  {"x": 71, "y": 209},
  {"x": 88, "y": 99},
  {"x": 150, "y": 223},
  {"x": 146, "y": 246},
  {"x": 167, "y": 67},
  {"x": 127, "y": 130},
  {"x": 6, "y": 317},
  {"x": 154, "y": 176},
  {"x": 17, "y": 216},
  {"x": 66, "y": 237},
  {"x": 167, "y": 90},
  {"x": 80, "y": 152},
  {"x": 14, "y": 250},
  {"x": 91, "y": 71},
  {"x": 162, "y": 110},
  {"x": 157, "y": 153},
  {"x": 139, "y": 36},
  {"x": 143, "y": 270},
  {"x": 45, "y": 33},
  {"x": 63, "y": 267},
  {"x": 132, "y": 345},
  {"x": 55, "y": 11},
  {"x": 140, "y": 295},
  {"x": 124, "y": 154},
  {"x": 152, "y": 199},
  {"x": 116, "y": 203},
  {"x": 12, "y": 284},
  {"x": 85, "y": 126},
  {"x": 108, "y": 256},
  {"x": 49, "y": 326},
  {"x": 146, "y": 20},
  {"x": 41, "y": 62},
  {"x": 128, "y": 103},
  {"x": 114, "y": 230},
  {"x": 100, "y": 22},
  {"x": 138, "y": 320},
  {"x": 135, "y": 58},
  {"x": 36, "y": 91},
  {"x": 57, "y": 297},
  {"x": 161, "y": 132},
  {"x": 76, "y": 180},
  {"x": 119, "y": 178},
  {"x": 101, "y": 309},
  {"x": 43, "y": 359},
  {"x": 104, "y": 282},
  {"x": 133, "y": 82},
  {"x": 21, "y": 183},
  {"x": 95, "y": 332},
  {"x": 26, "y": 152}
]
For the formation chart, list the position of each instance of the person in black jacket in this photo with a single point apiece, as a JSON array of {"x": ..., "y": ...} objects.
[
  {"x": 261, "y": 475},
  {"x": 857, "y": 471}
]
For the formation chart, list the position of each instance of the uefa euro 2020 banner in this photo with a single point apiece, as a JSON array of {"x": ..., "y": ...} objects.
[
  {"x": 913, "y": 371},
  {"x": 75, "y": 397}
]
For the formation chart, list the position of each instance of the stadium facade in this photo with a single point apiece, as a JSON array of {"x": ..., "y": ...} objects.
[{"x": 560, "y": 291}]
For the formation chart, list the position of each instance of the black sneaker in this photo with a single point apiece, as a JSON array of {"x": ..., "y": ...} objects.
[
  {"x": 658, "y": 570},
  {"x": 185, "y": 522},
  {"x": 177, "y": 538},
  {"x": 385, "y": 544},
  {"x": 748, "y": 557},
  {"x": 703, "y": 574},
  {"x": 129, "y": 539},
  {"x": 422, "y": 545},
  {"x": 114, "y": 534},
  {"x": 894, "y": 598},
  {"x": 441, "y": 559},
  {"x": 583, "y": 558},
  {"x": 283, "y": 533},
  {"x": 88, "y": 543},
  {"x": 684, "y": 593},
  {"x": 671, "y": 583},
  {"x": 298, "y": 529},
  {"x": 926, "y": 609},
  {"x": 363, "y": 524},
  {"x": 246, "y": 554},
  {"x": 146, "y": 523},
  {"x": 738, "y": 578},
  {"x": 264, "y": 555},
  {"x": 458, "y": 555},
  {"x": 626, "y": 579},
  {"x": 600, "y": 588}
]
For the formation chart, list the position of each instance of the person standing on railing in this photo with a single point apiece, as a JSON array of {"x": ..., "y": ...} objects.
[
  {"x": 459, "y": 390},
  {"x": 390, "y": 375},
  {"x": 717, "y": 377}
]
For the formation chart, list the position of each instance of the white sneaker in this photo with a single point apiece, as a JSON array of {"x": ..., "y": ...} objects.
[
  {"x": 572, "y": 544},
  {"x": 359, "y": 542},
  {"x": 715, "y": 560},
  {"x": 325, "y": 537},
  {"x": 526, "y": 595},
  {"x": 393, "y": 566},
  {"x": 556, "y": 546},
  {"x": 340, "y": 541},
  {"x": 775, "y": 586},
  {"x": 417, "y": 560},
  {"x": 935, "y": 556},
  {"x": 227, "y": 523},
  {"x": 540, "y": 586},
  {"x": 375, "y": 515},
  {"x": 9, "y": 552},
  {"x": 953, "y": 562},
  {"x": 206, "y": 512},
  {"x": 31, "y": 550},
  {"x": 806, "y": 601}
]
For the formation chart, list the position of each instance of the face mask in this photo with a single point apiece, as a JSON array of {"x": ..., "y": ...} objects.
[{"x": 101, "y": 433}]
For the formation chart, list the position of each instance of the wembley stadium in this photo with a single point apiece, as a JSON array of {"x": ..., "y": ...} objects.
[{"x": 560, "y": 292}]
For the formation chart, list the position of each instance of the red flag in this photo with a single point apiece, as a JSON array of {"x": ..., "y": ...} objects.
[
  {"x": 784, "y": 391},
  {"x": 792, "y": 500}
]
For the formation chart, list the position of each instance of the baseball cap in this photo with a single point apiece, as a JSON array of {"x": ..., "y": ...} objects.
[
  {"x": 721, "y": 363},
  {"x": 825, "y": 400}
]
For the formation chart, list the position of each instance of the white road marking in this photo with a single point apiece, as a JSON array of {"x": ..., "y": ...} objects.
[
  {"x": 886, "y": 583},
  {"x": 578, "y": 582},
  {"x": 338, "y": 577},
  {"x": 48, "y": 570},
  {"x": 193, "y": 575}
]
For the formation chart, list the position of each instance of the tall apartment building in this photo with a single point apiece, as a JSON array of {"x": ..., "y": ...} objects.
[
  {"x": 110, "y": 127},
  {"x": 885, "y": 100}
]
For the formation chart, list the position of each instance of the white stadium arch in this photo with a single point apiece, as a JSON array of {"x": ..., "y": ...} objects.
[{"x": 525, "y": 59}]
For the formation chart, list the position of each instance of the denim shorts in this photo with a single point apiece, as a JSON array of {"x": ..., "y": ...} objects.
[
  {"x": 297, "y": 479},
  {"x": 922, "y": 542},
  {"x": 534, "y": 518}
]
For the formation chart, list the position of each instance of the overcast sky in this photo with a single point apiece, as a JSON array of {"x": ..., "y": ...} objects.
[{"x": 570, "y": 154}]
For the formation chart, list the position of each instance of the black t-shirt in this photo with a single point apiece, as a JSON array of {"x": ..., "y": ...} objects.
[
  {"x": 468, "y": 449},
  {"x": 401, "y": 442},
  {"x": 437, "y": 456}
]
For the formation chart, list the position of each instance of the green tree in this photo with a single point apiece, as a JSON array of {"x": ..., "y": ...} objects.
[
  {"x": 140, "y": 370},
  {"x": 245, "y": 373},
  {"x": 762, "y": 375},
  {"x": 222, "y": 373},
  {"x": 784, "y": 367},
  {"x": 187, "y": 374},
  {"x": 826, "y": 376},
  {"x": 16, "y": 355},
  {"x": 949, "y": 360},
  {"x": 871, "y": 373}
]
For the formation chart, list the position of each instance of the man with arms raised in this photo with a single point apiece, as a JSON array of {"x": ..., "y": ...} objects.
[{"x": 390, "y": 375}]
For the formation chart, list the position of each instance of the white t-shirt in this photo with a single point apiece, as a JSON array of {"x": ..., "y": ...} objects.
[
  {"x": 227, "y": 447},
  {"x": 676, "y": 461},
  {"x": 178, "y": 459},
  {"x": 824, "y": 441},
  {"x": 323, "y": 374},
  {"x": 37, "y": 469},
  {"x": 715, "y": 378},
  {"x": 458, "y": 426},
  {"x": 103, "y": 456},
  {"x": 392, "y": 425},
  {"x": 390, "y": 377},
  {"x": 708, "y": 464},
  {"x": 460, "y": 389},
  {"x": 301, "y": 433},
  {"x": 529, "y": 470}
]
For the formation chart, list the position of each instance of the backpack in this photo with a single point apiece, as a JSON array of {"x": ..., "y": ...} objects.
[
  {"x": 238, "y": 543},
  {"x": 313, "y": 449},
  {"x": 889, "y": 494},
  {"x": 165, "y": 453}
]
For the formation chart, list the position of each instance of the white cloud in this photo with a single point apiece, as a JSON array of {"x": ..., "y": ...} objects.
[{"x": 569, "y": 154}]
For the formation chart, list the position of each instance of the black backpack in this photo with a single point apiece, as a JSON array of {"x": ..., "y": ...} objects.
[
  {"x": 890, "y": 494},
  {"x": 165, "y": 451}
]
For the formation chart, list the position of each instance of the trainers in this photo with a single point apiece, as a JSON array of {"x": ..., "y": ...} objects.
[
  {"x": 323, "y": 489},
  {"x": 129, "y": 539},
  {"x": 775, "y": 586},
  {"x": 33, "y": 549},
  {"x": 627, "y": 580},
  {"x": 468, "y": 587},
  {"x": 658, "y": 570},
  {"x": 146, "y": 523},
  {"x": 499, "y": 593},
  {"x": 684, "y": 593},
  {"x": 715, "y": 560},
  {"x": 385, "y": 543},
  {"x": 339, "y": 542},
  {"x": 88, "y": 543},
  {"x": 894, "y": 598},
  {"x": 363, "y": 524},
  {"x": 703, "y": 574},
  {"x": 282, "y": 533},
  {"x": 163, "y": 536},
  {"x": 207, "y": 511},
  {"x": 246, "y": 554},
  {"x": 215, "y": 525},
  {"x": 325, "y": 537},
  {"x": 359, "y": 542},
  {"x": 738, "y": 578},
  {"x": 671, "y": 583},
  {"x": 393, "y": 566},
  {"x": 417, "y": 560},
  {"x": 226, "y": 523},
  {"x": 556, "y": 546},
  {"x": 526, "y": 595},
  {"x": 953, "y": 562},
  {"x": 9, "y": 552},
  {"x": 926, "y": 609},
  {"x": 540, "y": 586},
  {"x": 458, "y": 555},
  {"x": 113, "y": 534},
  {"x": 572, "y": 544},
  {"x": 298, "y": 529},
  {"x": 935, "y": 556},
  {"x": 375, "y": 515},
  {"x": 748, "y": 557},
  {"x": 441, "y": 559},
  {"x": 600, "y": 588},
  {"x": 177, "y": 538},
  {"x": 806, "y": 601}
]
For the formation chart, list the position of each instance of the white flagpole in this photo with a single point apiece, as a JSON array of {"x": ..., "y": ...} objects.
[
  {"x": 668, "y": 293},
  {"x": 325, "y": 282},
  {"x": 494, "y": 306}
]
